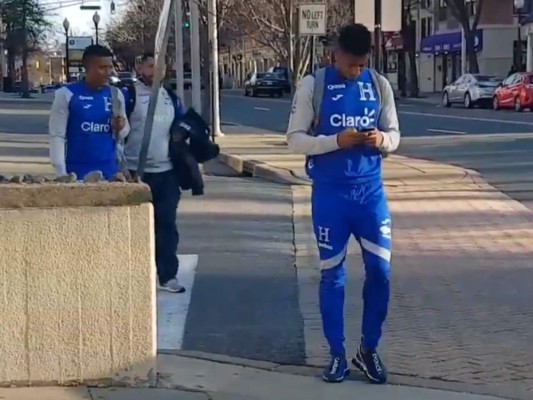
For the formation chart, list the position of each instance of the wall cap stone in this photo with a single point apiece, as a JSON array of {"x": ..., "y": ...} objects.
[{"x": 54, "y": 195}]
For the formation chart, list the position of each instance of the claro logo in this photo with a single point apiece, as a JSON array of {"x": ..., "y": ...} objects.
[
  {"x": 95, "y": 128},
  {"x": 365, "y": 121}
]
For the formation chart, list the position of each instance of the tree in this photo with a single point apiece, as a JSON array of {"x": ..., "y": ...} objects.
[
  {"x": 408, "y": 34},
  {"x": 135, "y": 32},
  {"x": 274, "y": 25},
  {"x": 26, "y": 29},
  {"x": 460, "y": 11}
]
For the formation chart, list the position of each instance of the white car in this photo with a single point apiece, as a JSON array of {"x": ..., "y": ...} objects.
[{"x": 470, "y": 90}]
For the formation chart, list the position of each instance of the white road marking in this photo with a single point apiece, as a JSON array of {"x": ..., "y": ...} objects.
[
  {"x": 446, "y": 131},
  {"x": 17, "y": 111},
  {"x": 473, "y": 137},
  {"x": 421, "y": 114},
  {"x": 261, "y": 108},
  {"x": 503, "y": 121},
  {"x": 172, "y": 308}
]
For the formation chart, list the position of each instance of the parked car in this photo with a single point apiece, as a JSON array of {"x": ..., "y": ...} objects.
[
  {"x": 51, "y": 88},
  {"x": 471, "y": 90},
  {"x": 516, "y": 91},
  {"x": 127, "y": 78},
  {"x": 284, "y": 73},
  {"x": 187, "y": 81},
  {"x": 264, "y": 83}
]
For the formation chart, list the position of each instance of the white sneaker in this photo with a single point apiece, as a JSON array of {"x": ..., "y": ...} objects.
[{"x": 172, "y": 286}]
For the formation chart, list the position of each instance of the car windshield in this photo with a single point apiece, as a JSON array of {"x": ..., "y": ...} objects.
[
  {"x": 487, "y": 78},
  {"x": 125, "y": 75},
  {"x": 268, "y": 75}
]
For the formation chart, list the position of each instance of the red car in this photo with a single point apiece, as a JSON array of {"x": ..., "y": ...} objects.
[{"x": 516, "y": 91}]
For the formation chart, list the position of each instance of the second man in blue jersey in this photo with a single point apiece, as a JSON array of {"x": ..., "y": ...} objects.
[
  {"x": 344, "y": 123},
  {"x": 83, "y": 130}
]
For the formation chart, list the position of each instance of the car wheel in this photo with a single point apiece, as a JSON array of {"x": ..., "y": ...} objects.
[
  {"x": 468, "y": 101},
  {"x": 495, "y": 103},
  {"x": 446, "y": 100},
  {"x": 517, "y": 105}
]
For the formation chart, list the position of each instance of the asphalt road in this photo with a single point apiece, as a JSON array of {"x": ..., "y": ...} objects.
[{"x": 497, "y": 144}]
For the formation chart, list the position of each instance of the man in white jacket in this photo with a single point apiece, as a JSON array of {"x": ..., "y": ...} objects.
[{"x": 159, "y": 174}]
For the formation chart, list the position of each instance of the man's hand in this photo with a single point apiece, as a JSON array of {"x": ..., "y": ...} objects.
[
  {"x": 350, "y": 137},
  {"x": 117, "y": 123},
  {"x": 374, "y": 138}
]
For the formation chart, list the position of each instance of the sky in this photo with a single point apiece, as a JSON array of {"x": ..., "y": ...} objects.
[{"x": 81, "y": 20}]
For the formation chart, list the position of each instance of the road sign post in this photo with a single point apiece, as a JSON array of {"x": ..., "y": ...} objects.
[{"x": 312, "y": 21}]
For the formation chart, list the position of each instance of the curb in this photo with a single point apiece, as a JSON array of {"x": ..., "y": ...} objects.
[
  {"x": 257, "y": 169},
  {"x": 316, "y": 371},
  {"x": 261, "y": 170}
]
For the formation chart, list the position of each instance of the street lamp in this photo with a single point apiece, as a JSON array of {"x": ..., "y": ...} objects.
[
  {"x": 519, "y": 6},
  {"x": 96, "y": 21},
  {"x": 66, "y": 27}
]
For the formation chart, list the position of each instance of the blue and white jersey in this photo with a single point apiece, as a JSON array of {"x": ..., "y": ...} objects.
[
  {"x": 347, "y": 104},
  {"x": 82, "y": 139}
]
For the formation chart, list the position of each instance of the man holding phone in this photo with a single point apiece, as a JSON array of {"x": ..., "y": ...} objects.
[{"x": 344, "y": 120}]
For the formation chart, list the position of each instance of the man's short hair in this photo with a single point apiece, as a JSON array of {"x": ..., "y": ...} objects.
[
  {"x": 146, "y": 56},
  {"x": 95, "y": 50},
  {"x": 355, "y": 39}
]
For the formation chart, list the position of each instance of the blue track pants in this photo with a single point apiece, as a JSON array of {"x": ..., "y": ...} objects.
[{"x": 338, "y": 213}]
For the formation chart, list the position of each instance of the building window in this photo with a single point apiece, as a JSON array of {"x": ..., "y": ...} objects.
[
  {"x": 443, "y": 10},
  {"x": 426, "y": 27},
  {"x": 471, "y": 7},
  {"x": 427, "y": 4}
]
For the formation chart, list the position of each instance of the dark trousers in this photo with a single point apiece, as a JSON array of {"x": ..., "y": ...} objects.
[{"x": 165, "y": 198}]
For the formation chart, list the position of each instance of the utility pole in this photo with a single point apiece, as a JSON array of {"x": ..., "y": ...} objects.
[
  {"x": 215, "y": 89},
  {"x": 25, "y": 52},
  {"x": 178, "y": 39},
  {"x": 290, "y": 61},
  {"x": 161, "y": 42},
  {"x": 377, "y": 35},
  {"x": 195, "y": 57}
]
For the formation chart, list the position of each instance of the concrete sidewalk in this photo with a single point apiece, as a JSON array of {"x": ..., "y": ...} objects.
[
  {"x": 183, "y": 378},
  {"x": 266, "y": 156}
]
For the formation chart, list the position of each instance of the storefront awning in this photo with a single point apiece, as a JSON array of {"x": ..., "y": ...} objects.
[{"x": 448, "y": 43}]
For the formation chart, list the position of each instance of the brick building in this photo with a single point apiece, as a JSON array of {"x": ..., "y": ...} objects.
[{"x": 439, "y": 42}]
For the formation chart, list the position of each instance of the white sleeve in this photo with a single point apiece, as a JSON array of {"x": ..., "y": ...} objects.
[
  {"x": 388, "y": 119},
  {"x": 57, "y": 129},
  {"x": 126, "y": 130},
  {"x": 301, "y": 121}
]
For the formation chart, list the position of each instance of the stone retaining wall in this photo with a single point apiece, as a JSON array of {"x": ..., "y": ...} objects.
[{"x": 77, "y": 284}]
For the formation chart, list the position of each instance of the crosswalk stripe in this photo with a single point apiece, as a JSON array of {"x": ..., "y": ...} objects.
[{"x": 172, "y": 308}]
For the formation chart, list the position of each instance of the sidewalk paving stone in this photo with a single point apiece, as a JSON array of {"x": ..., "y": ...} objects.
[{"x": 462, "y": 275}]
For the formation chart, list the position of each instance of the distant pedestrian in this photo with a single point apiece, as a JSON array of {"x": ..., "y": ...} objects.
[
  {"x": 159, "y": 175},
  {"x": 84, "y": 133},
  {"x": 344, "y": 120}
]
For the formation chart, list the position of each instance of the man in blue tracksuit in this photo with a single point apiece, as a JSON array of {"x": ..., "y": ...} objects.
[
  {"x": 84, "y": 133},
  {"x": 344, "y": 119}
]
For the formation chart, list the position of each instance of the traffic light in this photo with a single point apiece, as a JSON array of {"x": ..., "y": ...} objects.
[{"x": 186, "y": 24}]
